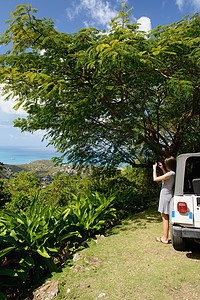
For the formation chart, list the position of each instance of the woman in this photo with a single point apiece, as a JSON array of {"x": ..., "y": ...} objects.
[{"x": 166, "y": 193}]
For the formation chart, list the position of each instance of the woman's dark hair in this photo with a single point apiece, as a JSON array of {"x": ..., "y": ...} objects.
[{"x": 170, "y": 163}]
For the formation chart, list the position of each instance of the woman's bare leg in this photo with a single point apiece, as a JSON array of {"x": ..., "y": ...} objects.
[{"x": 165, "y": 219}]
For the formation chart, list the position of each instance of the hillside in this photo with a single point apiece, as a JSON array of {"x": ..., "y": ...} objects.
[{"x": 41, "y": 169}]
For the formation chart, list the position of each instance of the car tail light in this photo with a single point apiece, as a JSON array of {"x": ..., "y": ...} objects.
[{"x": 182, "y": 207}]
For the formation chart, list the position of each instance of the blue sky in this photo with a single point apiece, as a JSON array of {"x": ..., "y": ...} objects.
[{"x": 71, "y": 15}]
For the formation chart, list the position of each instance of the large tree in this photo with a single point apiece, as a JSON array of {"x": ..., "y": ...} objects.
[{"x": 106, "y": 97}]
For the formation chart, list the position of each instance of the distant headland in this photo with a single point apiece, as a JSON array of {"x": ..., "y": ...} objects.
[{"x": 43, "y": 169}]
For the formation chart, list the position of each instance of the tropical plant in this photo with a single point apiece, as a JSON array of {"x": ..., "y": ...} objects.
[
  {"x": 92, "y": 213},
  {"x": 29, "y": 243}
]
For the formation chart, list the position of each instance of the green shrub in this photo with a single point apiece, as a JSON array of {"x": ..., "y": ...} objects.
[
  {"x": 31, "y": 240},
  {"x": 68, "y": 211},
  {"x": 5, "y": 195},
  {"x": 60, "y": 191},
  {"x": 92, "y": 213},
  {"x": 133, "y": 187},
  {"x": 21, "y": 189},
  {"x": 28, "y": 244}
]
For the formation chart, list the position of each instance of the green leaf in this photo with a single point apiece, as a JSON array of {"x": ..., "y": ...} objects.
[
  {"x": 51, "y": 265},
  {"x": 68, "y": 235},
  {"x": 52, "y": 249},
  {"x": 2, "y": 296},
  {"x": 6, "y": 251},
  {"x": 66, "y": 212},
  {"x": 7, "y": 272},
  {"x": 42, "y": 251},
  {"x": 27, "y": 261}
]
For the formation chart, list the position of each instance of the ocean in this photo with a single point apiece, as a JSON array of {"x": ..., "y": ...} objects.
[{"x": 17, "y": 155}]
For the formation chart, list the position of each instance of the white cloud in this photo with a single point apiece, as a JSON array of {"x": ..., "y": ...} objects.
[
  {"x": 7, "y": 106},
  {"x": 194, "y": 3},
  {"x": 180, "y": 4},
  {"x": 11, "y": 136},
  {"x": 145, "y": 24},
  {"x": 74, "y": 11},
  {"x": 101, "y": 12},
  {"x": 97, "y": 10},
  {"x": 122, "y": 1},
  {"x": 5, "y": 126},
  {"x": 42, "y": 51},
  {"x": 39, "y": 133}
]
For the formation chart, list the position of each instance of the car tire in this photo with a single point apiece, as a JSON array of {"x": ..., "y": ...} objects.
[{"x": 178, "y": 243}]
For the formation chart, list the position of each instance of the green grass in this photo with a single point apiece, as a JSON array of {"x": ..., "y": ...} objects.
[{"x": 133, "y": 266}]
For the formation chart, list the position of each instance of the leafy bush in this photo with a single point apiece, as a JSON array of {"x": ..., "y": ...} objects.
[
  {"x": 21, "y": 188},
  {"x": 5, "y": 195},
  {"x": 29, "y": 242},
  {"x": 92, "y": 213},
  {"x": 60, "y": 191},
  {"x": 31, "y": 239},
  {"x": 134, "y": 188},
  {"x": 1, "y": 167}
]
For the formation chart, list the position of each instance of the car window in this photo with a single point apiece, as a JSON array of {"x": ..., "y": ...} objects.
[{"x": 192, "y": 171}]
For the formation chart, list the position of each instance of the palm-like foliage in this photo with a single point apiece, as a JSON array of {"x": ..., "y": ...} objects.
[
  {"x": 92, "y": 212},
  {"x": 28, "y": 243}
]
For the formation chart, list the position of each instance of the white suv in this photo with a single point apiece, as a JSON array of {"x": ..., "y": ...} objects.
[{"x": 185, "y": 205}]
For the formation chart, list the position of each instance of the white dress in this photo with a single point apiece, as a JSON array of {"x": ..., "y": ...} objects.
[{"x": 166, "y": 193}]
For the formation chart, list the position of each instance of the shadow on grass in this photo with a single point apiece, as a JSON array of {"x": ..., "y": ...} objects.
[
  {"x": 150, "y": 215},
  {"x": 138, "y": 220},
  {"x": 195, "y": 251}
]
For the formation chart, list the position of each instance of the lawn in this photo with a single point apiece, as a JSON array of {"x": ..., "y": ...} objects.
[{"x": 129, "y": 264}]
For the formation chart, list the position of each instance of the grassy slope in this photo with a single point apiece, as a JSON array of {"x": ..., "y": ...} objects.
[{"x": 133, "y": 266}]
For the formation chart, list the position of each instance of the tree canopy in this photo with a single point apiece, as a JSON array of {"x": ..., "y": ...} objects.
[{"x": 122, "y": 96}]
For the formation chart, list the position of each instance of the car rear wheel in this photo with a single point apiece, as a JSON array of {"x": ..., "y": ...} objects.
[{"x": 178, "y": 243}]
